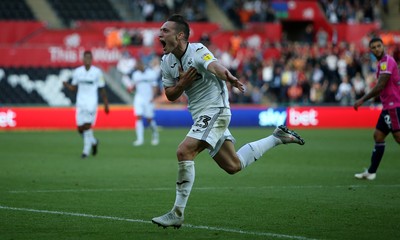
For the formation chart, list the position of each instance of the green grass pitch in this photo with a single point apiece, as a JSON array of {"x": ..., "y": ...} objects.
[{"x": 292, "y": 192}]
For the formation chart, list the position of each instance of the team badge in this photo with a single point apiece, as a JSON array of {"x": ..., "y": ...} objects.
[
  {"x": 383, "y": 66},
  {"x": 207, "y": 57},
  {"x": 190, "y": 62}
]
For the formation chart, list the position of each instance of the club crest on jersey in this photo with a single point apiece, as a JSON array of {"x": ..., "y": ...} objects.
[
  {"x": 173, "y": 65},
  {"x": 190, "y": 62},
  {"x": 207, "y": 57},
  {"x": 383, "y": 66}
]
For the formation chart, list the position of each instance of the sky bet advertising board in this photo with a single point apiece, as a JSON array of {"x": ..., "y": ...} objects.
[{"x": 123, "y": 117}]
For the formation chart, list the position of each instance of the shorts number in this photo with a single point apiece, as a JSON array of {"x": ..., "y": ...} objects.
[{"x": 203, "y": 121}]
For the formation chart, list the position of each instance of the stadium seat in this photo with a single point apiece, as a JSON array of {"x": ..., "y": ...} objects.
[
  {"x": 70, "y": 11},
  {"x": 15, "y": 10},
  {"x": 41, "y": 86}
]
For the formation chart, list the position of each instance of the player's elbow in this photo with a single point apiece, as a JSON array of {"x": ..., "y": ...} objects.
[{"x": 171, "y": 98}]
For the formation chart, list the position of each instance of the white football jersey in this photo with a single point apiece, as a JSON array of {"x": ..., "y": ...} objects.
[
  {"x": 88, "y": 82},
  {"x": 207, "y": 91},
  {"x": 144, "y": 83}
]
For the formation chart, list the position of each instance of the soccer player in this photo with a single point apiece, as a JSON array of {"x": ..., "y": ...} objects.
[
  {"x": 192, "y": 69},
  {"x": 388, "y": 88},
  {"x": 87, "y": 80},
  {"x": 144, "y": 81}
]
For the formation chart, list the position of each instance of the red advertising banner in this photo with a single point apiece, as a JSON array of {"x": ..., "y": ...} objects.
[
  {"x": 13, "y": 32},
  {"x": 332, "y": 117},
  {"x": 62, "y": 118},
  {"x": 56, "y": 56}
]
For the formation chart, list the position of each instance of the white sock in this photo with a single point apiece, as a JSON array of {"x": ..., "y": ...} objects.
[
  {"x": 87, "y": 142},
  {"x": 90, "y": 132},
  {"x": 154, "y": 129},
  {"x": 139, "y": 130},
  {"x": 250, "y": 152},
  {"x": 184, "y": 183}
]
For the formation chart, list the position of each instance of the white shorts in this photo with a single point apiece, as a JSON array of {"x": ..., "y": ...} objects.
[
  {"x": 143, "y": 108},
  {"x": 212, "y": 127},
  {"x": 85, "y": 115}
]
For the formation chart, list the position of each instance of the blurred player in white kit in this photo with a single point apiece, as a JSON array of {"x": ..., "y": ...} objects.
[
  {"x": 144, "y": 83},
  {"x": 87, "y": 80}
]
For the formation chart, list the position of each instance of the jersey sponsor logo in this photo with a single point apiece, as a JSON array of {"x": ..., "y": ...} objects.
[
  {"x": 207, "y": 57},
  {"x": 86, "y": 82},
  {"x": 383, "y": 66},
  {"x": 173, "y": 65},
  {"x": 199, "y": 49}
]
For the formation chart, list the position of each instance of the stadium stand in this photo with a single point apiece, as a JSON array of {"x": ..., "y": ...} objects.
[
  {"x": 41, "y": 86},
  {"x": 72, "y": 10},
  {"x": 15, "y": 10}
]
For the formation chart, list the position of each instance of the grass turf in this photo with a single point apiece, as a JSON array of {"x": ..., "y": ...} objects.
[{"x": 292, "y": 192}]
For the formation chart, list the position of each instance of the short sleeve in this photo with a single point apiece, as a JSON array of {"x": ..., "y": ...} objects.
[
  {"x": 102, "y": 81},
  {"x": 203, "y": 56},
  {"x": 166, "y": 77},
  {"x": 75, "y": 77}
]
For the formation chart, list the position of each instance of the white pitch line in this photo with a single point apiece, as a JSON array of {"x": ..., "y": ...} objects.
[
  {"x": 198, "y": 188},
  {"x": 229, "y": 230}
]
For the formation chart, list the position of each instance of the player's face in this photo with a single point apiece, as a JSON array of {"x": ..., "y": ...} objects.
[
  {"x": 87, "y": 59},
  {"x": 168, "y": 37},
  {"x": 377, "y": 49},
  {"x": 139, "y": 65}
]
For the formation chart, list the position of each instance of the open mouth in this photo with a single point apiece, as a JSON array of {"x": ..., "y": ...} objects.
[{"x": 163, "y": 43}]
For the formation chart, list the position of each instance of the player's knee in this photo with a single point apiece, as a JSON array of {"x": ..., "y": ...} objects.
[
  {"x": 232, "y": 168},
  {"x": 183, "y": 154}
]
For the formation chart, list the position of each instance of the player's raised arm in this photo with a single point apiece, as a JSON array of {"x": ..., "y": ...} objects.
[{"x": 223, "y": 73}]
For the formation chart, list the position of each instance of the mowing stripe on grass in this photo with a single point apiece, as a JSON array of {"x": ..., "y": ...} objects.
[
  {"x": 197, "y": 188},
  {"x": 229, "y": 230}
]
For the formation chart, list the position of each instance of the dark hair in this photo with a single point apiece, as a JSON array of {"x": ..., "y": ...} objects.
[
  {"x": 375, "y": 39},
  {"x": 181, "y": 23},
  {"x": 87, "y": 52}
]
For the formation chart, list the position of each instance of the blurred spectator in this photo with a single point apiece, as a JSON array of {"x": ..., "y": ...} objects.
[
  {"x": 345, "y": 93},
  {"x": 136, "y": 37},
  {"x": 235, "y": 43},
  {"x": 309, "y": 34},
  {"x": 205, "y": 39},
  {"x": 330, "y": 93},
  {"x": 322, "y": 38},
  {"x": 359, "y": 85},
  {"x": 114, "y": 38},
  {"x": 148, "y": 10},
  {"x": 161, "y": 11},
  {"x": 317, "y": 93}
]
